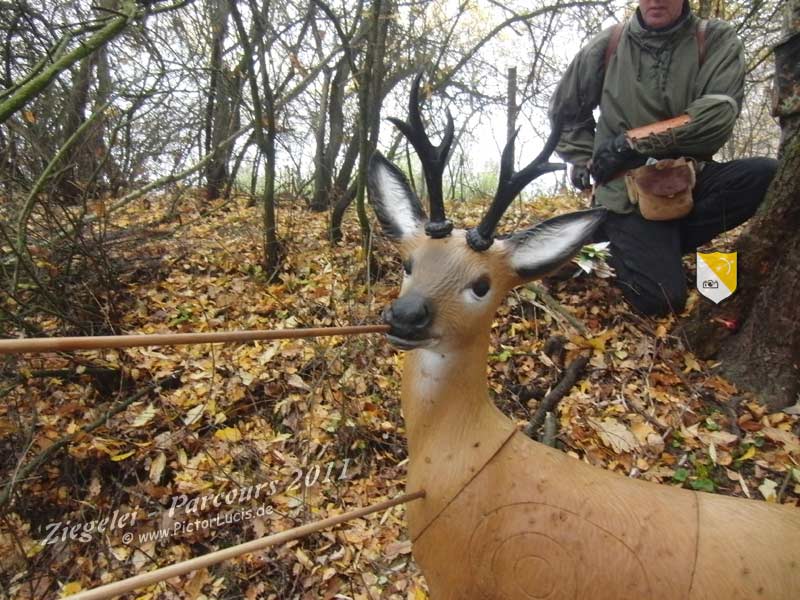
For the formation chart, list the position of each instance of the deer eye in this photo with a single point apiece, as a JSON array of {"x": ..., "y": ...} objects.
[
  {"x": 480, "y": 287},
  {"x": 407, "y": 266}
]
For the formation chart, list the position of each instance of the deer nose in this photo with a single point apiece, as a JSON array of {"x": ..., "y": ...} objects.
[{"x": 409, "y": 317}]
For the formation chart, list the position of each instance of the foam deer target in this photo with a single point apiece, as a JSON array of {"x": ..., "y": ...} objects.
[{"x": 505, "y": 517}]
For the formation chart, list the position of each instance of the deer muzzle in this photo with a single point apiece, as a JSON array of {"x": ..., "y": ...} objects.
[{"x": 410, "y": 318}]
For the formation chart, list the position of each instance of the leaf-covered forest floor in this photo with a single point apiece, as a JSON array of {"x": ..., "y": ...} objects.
[{"x": 316, "y": 422}]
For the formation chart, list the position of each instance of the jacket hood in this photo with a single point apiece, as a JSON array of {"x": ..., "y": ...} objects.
[{"x": 660, "y": 43}]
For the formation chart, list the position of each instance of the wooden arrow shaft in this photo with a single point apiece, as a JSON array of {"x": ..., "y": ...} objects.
[
  {"x": 62, "y": 344},
  {"x": 138, "y": 581}
]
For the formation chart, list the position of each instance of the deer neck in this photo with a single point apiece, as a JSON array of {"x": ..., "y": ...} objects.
[
  {"x": 445, "y": 394},
  {"x": 453, "y": 428}
]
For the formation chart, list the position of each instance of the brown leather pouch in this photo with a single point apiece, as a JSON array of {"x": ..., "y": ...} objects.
[{"x": 662, "y": 190}]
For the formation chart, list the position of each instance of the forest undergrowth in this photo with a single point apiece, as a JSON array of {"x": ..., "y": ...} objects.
[{"x": 158, "y": 434}]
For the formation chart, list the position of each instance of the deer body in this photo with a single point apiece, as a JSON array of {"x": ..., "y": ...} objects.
[{"x": 506, "y": 518}]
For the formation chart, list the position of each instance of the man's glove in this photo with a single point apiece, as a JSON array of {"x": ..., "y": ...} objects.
[
  {"x": 614, "y": 156},
  {"x": 579, "y": 176}
]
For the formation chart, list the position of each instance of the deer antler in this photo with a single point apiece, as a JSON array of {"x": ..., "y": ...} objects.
[
  {"x": 433, "y": 158},
  {"x": 510, "y": 184}
]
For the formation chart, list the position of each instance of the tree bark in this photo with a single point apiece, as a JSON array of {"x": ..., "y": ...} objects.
[
  {"x": 108, "y": 167},
  {"x": 265, "y": 124},
  {"x": 327, "y": 193},
  {"x": 511, "y": 104},
  {"x": 320, "y": 199},
  {"x": 341, "y": 193},
  {"x": 222, "y": 104},
  {"x": 756, "y": 333},
  {"x": 370, "y": 82},
  {"x": 214, "y": 172},
  {"x": 68, "y": 181},
  {"x": 90, "y": 169}
]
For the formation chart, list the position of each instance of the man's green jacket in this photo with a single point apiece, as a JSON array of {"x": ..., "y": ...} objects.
[{"x": 652, "y": 76}]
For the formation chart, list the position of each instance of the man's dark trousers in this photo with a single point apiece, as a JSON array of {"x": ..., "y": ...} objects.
[{"x": 647, "y": 254}]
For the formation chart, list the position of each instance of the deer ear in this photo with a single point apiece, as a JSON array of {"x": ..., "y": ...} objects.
[
  {"x": 543, "y": 248},
  {"x": 397, "y": 207}
]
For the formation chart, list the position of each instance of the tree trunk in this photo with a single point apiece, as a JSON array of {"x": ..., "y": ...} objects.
[
  {"x": 763, "y": 355},
  {"x": 115, "y": 180},
  {"x": 68, "y": 181},
  {"x": 237, "y": 164},
  {"x": 511, "y": 104},
  {"x": 90, "y": 169},
  {"x": 341, "y": 195},
  {"x": 328, "y": 190},
  {"x": 370, "y": 83},
  {"x": 265, "y": 125},
  {"x": 320, "y": 199},
  {"x": 220, "y": 111},
  {"x": 271, "y": 245},
  {"x": 8, "y": 161}
]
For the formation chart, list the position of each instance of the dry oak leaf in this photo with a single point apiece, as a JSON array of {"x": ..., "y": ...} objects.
[
  {"x": 144, "y": 417},
  {"x": 719, "y": 438},
  {"x": 157, "y": 467},
  {"x": 789, "y": 440},
  {"x": 614, "y": 434},
  {"x": 393, "y": 549},
  {"x": 194, "y": 414},
  {"x": 296, "y": 381}
]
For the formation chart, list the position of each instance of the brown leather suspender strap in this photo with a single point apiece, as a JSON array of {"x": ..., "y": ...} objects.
[
  {"x": 612, "y": 44},
  {"x": 700, "y": 35}
]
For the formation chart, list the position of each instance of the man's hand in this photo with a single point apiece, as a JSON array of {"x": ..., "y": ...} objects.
[
  {"x": 579, "y": 176},
  {"x": 614, "y": 156}
]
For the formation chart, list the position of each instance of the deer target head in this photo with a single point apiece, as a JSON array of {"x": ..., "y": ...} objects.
[{"x": 454, "y": 278}]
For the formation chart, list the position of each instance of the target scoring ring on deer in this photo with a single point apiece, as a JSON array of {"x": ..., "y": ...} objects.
[{"x": 545, "y": 559}]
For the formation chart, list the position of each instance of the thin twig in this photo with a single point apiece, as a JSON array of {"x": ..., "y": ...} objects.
[
  {"x": 784, "y": 485},
  {"x": 549, "y": 433},
  {"x": 550, "y": 401},
  {"x": 555, "y": 305}
]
